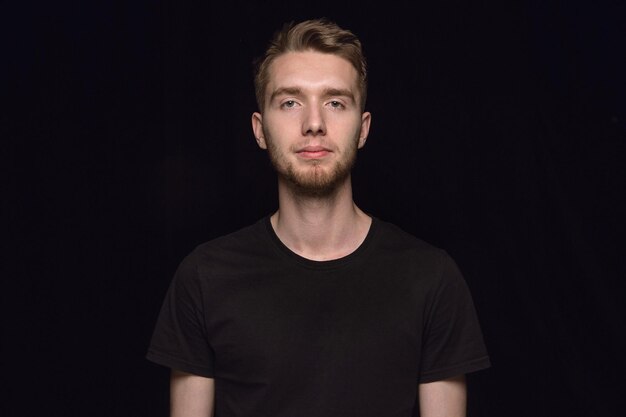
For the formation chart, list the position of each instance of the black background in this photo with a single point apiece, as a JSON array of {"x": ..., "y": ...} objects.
[{"x": 498, "y": 134}]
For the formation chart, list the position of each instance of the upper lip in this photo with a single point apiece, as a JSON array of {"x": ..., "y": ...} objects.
[{"x": 313, "y": 149}]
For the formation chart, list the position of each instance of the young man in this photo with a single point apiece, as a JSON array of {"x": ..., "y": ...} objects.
[{"x": 319, "y": 309}]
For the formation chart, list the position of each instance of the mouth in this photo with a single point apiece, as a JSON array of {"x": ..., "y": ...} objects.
[{"x": 313, "y": 152}]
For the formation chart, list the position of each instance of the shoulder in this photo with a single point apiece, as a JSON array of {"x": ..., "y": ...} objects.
[
  {"x": 390, "y": 237},
  {"x": 436, "y": 272},
  {"x": 231, "y": 251},
  {"x": 250, "y": 235},
  {"x": 412, "y": 254}
]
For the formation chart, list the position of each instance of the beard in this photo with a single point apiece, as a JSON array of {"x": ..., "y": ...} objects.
[{"x": 313, "y": 180}]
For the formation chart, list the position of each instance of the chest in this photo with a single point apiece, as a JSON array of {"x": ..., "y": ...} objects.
[{"x": 295, "y": 322}]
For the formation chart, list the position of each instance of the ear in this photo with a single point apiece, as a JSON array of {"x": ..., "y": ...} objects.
[
  {"x": 257, "y": 128},
  {"x": 366, "y": 119}
]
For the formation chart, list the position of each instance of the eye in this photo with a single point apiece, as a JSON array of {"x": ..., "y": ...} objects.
[
  {"x": 335, "y": 104},
  {"x": 289, "y": 104}
]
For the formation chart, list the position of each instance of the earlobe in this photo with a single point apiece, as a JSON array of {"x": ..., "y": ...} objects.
[
  {"x": 366, "y": 119},
  {"x": 257, "y": 128}
]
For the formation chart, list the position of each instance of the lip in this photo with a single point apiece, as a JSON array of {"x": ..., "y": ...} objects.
[{"x": 313, "y": 152}]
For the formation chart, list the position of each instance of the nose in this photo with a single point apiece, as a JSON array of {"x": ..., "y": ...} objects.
[{"x": 313, "y": 122}]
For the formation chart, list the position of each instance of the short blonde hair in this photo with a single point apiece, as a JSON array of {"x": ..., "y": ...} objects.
[{"x": 318, "y": 35}]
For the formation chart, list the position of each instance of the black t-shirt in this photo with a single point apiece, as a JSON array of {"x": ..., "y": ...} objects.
[{"x": 287, "y": 336}]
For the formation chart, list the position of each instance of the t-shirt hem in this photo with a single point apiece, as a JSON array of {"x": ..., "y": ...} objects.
[
  {"x": 179, "y": 365},
  {"x": 464, "y": 368}
]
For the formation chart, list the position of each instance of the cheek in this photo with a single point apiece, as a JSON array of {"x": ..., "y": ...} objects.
[
  {"x": 275, "y": 125},
  {"x": 347, "y": 122},
  {"x": 352, "y": 128}
]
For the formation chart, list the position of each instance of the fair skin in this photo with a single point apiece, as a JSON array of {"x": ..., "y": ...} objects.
[
  {"x": 312, "y": 125},
  {"x": 191, "y": 395},
  {"x": 312, "y": 116},
  {"x": 446, "y": 398}
]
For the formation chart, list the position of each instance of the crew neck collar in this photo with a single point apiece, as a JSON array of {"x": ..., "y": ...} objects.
[{"x": 321, "y": 265}]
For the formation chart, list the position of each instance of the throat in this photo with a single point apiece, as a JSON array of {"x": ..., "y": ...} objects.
[{"x": 322, "y": 236}]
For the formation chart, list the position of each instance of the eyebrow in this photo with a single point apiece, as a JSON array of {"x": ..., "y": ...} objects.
[
  {"x": 290, "y": 91},
  {"x": 339, "y": 92},
  {"x": 328, "y": 92}
]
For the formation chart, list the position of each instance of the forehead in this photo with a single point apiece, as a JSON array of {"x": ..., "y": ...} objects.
[{"x": 311, "y": 69}]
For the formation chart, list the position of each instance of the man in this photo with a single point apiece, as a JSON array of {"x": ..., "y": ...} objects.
[{"x": 318, "y": 309}]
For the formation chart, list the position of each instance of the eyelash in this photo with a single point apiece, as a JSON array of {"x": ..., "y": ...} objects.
[
  {"x": 340, "y": 105},
  {"x": 289, "y": 104},
  {"x": 335, "y": 104}
]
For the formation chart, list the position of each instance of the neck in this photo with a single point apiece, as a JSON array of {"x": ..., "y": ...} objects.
[{"x": 320, "y": 228}]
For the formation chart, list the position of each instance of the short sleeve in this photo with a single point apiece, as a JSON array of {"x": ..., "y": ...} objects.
[
  {"x": 179, "y": 340},
  {"x": 453, "y": 342}
]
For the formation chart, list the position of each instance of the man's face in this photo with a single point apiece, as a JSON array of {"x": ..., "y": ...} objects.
[{"x": 312, "y": 124}]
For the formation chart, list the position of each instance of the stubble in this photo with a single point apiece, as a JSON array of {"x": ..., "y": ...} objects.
[{"x": 313, "y": 180}]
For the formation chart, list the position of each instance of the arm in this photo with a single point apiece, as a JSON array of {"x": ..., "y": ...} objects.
[
  {"x": 446, "y": 398},
  {"x": 191, "y": 395}
]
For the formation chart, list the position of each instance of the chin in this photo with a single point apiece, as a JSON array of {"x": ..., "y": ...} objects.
[{"x": 317, "y": 182}]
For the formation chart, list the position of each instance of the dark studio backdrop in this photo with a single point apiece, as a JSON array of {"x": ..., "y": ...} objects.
[{"x": 498, "y": 134}]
